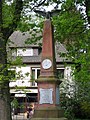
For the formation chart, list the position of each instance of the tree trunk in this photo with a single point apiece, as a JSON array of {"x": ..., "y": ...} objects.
[
  {"x": 4, "y": 102},
  {"x": 5, "y": 112}
]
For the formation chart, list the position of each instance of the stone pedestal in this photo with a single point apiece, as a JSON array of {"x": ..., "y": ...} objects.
[
  {"x": 49, "y": 118},
  {"x": 48, "y": 113},
  {"x": 48, "y": 107}
]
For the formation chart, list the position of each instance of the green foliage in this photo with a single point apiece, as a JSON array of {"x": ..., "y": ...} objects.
[
  {"x": 7, "y": 14},
  {"x": 17, "y": 61},
  {"x": 85, "y": 107},
  {"x": 71, "y": 30},
  {"x": 75, "y": 100},
  {"x": 15, "y": 103}
]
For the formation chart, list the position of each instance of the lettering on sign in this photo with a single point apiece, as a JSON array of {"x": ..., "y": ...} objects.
[{"x": 46, "y": 96}]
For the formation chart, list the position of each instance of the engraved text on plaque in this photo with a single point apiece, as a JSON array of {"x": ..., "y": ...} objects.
[{"x": 46, "y": 96}]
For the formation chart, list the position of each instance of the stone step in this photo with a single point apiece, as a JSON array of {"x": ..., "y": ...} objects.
[{"x": 49, "y": 119}]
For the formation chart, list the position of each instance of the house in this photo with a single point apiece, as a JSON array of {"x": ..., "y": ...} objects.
[{"x": 24, "y": 88}]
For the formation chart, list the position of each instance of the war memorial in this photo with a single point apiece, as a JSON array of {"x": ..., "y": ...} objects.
[{"x": 48, "y": 107}]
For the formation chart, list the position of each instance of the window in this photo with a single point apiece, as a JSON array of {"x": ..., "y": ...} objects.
[
  {"x": 39, "y": 50},
  {"x": 35, "y": 75},
  {"x": 36, "y": 51},
  {"x": 24, "y": 52},
  {"x": 38, "y": 73},
  {"x": 60, "y": 73}
]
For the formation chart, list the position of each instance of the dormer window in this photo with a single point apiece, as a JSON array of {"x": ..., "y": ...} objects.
[
  {"x": 24, "y": 52},
  {"x": 36, "y": 51}
]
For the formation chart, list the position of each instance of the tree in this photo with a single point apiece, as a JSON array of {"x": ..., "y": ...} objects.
[
  {"x": 72, "y": 29},
  {"x": 8, "y": 23}
]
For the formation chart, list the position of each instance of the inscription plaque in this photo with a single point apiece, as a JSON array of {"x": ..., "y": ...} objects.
[{"x": 46, "y": 96}]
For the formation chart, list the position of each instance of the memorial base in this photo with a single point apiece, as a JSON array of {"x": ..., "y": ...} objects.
[
  {"x": 48, "y": 114},
  {"x": 49, "y": 119}
]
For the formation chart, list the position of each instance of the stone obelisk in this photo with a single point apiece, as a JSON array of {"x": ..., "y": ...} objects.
[{"x": 48, "y": 85}]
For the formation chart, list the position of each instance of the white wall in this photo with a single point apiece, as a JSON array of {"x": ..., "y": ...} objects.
[
  {"x": 24, "y": 80},
  {"x": 21, "y": 78},
  {"x": 68, "y": 73}
]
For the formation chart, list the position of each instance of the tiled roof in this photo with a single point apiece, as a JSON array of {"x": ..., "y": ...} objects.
[
  {"x": 18, "y": 39},
  {"x": 37, "y": 59}
]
